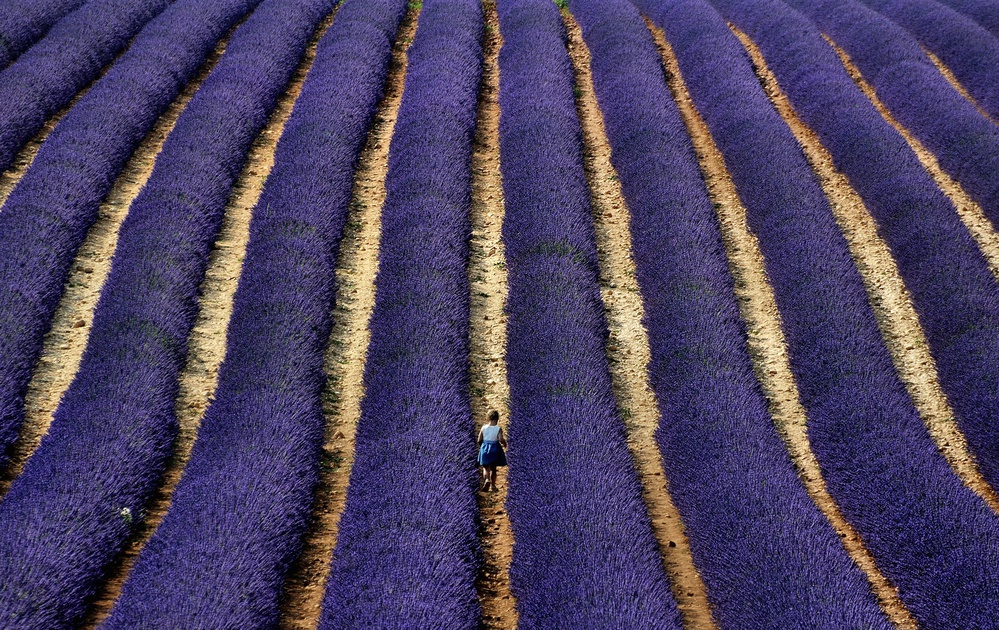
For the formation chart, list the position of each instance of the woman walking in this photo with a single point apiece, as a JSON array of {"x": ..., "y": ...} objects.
[{"x": 491, "y": 455}]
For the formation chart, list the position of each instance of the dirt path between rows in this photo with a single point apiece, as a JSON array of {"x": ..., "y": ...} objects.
[
  {"x": 767, "y": 345},
  {"x": 207, "y": 341},
  {"x": 628, "y": 350},
  {"x": 347, "y": 348},
  {"x": 947, "y": 74},
  {"x": 488, "y": 385},
  {"x": 968, "y": 210},
  {"x": 886, "y": 291},
  {"x": 64, "y": 344}
]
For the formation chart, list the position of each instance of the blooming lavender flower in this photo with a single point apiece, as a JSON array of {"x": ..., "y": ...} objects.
[
  {"x": 768, "y": 556},
  {"x": 237, "y": 517},
  {"x": 62, "y": 522},
  {"x": 930, "y": 534},
  {"x": 24, "y": 22},
  {"x": 407, "y": 552}
]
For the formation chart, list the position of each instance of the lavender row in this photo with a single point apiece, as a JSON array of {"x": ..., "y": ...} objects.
[
  {"x": 585, "y": 555},
  {"x": 768, "y": 556},
  {"x": 407, "y": 553},
  {"x": 69, "y": 514},
  {"x": 70, "y": 56},
  {"x": 24, "y": 22},
  {"x": 964, "y": 46},
  {"x": 48, "y": 214},
  {"x": 965, "y": 142},
  {"x": 984, "y": 12},
  {"x": 954, "y": 292},
  {"x": 220, "y": 557},
  {"x": 930, "y": 535}
]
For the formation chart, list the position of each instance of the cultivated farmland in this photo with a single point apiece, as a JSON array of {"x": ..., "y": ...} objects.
[{"x": 728, "y": 270}]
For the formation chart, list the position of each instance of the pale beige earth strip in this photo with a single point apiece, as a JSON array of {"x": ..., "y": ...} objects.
[
  {"x": 488, "y": 385},
  {"x": 968, "y": 210},
  {"x": 767, "y": 345},
  {"x": 955, "y": 83},
  {"x": 628, "y": 350},
  {"x": 206, "y": 344},
  {"x": 890, "y": 298},
  {"x": 347, "y": 348},
  {"x": 63, "y": 346}
]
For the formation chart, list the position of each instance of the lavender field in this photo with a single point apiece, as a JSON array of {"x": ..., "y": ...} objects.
[{"x": 727, "y": 269}]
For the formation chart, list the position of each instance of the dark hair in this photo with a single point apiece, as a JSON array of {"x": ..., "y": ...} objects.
[{"x": 493, "y": 416}]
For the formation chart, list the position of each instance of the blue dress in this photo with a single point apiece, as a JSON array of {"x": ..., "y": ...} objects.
[{"x": 491, "y": 453}]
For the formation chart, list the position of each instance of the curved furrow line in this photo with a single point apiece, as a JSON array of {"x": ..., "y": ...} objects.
[
  {"x": 967, "y": 48},
  {"x": 24, "y": 22},
  {"x": 984, "y": 12},
  {"x": 73, "y": 52},
  {"x": 628, "y": 343},
  {"x": 347, "y": 348},
  {"x": 792, "y": 586},
  {"x": 956, "y": 84},
  {"x": 886, "y": 290},
  {"x": 47, "y": 216},
  {"x": 10, "y": 178},
  {"x": 71, "y": 511},
  {"x": 206, "y": 343},
  {"x": 24, "y": 158},
  {"x": 968, "y": 210},
  {"x": 965, "y": 143},
  {"x": 930, "y": 534},
  {"x": 407, "y": 553},
  {"x": 960, "y": 316},
  {"x": 585, "y": 554},
  {"x": 487, "y": 333},
  {"x": 238, "y": 513},
  {"x": 66, "y": 340}
]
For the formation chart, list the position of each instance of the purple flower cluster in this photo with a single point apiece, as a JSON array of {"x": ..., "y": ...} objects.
[
  {"x": 931, "y": 535},
  {"x": 965, "y": 47},
  {"x": 768, "y": 556},
  {"x": 953, "y": 290},
  {"x": 982, "y": 11},
  {"x": 70, "y": 512},
  {"x": 72, "y": 54},
  {"x": 965, "y": 142},
  {"x": 47, "y": 216},
  {"x": 24, "y": 22},
  {"x": 585, "y": 555},
  {"x": 220, "y": 556},
  {"x": 407, "y": 553}
]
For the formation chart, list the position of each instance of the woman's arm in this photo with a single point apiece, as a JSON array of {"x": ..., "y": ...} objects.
[
  {"x": 478, "y": 442},
  {"x": 502, "y": 438}
]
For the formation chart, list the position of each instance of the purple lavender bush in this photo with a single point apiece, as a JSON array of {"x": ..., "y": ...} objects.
[
  {"x": 984, "y": 12},
  {"x": 768, "y": 556},
  {"x": 953, "y": 290},
  {"x": 71, "y": 511},
  {"x": 24, "y": 22},
  {"x": 220, "y": 556},
  {"x": 965, "y": 142},
  {"x": 407, "y": 553},
  {"x": 48, "y": 214},
  {"x": 931, "y": 535},
  {"x": 71, "y": 55},
  {"x": 964, "y": 46},
  {"x": 585, "y": 555}
]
